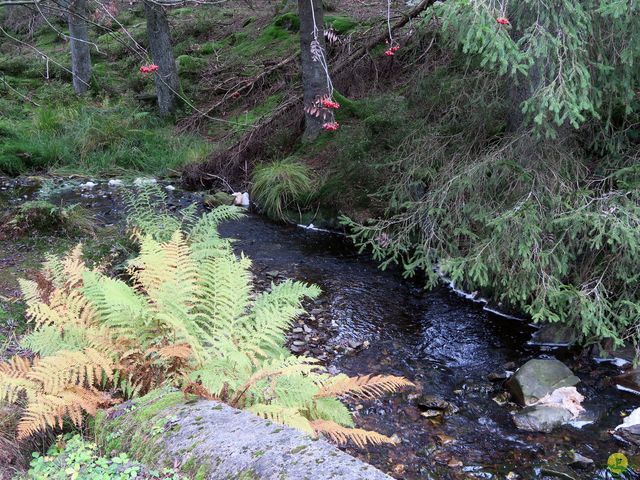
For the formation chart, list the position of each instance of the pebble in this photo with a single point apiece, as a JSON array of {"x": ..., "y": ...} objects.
[{"x": 299, "y": 343}]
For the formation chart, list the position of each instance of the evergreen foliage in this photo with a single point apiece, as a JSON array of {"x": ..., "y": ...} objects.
[{"x": 576, "y": 60}]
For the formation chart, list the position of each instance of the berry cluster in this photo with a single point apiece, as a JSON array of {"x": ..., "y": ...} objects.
[
  {"x": 149, "y": 68},
  {"x": 331, "y": 126},
  {"x": 391, "y": 51},
  {"x": 328, "y": 103}
]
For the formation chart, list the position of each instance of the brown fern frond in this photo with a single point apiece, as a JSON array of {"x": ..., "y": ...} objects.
[
  {"x": 366, "y": 387},
  {"x": 197, "y": 389},
  {"x": 341, "y": 435},
  {"x": 17, "y": 367},
  {"x": 49, "y": 411},
  {"x": 181, "y": 350}
]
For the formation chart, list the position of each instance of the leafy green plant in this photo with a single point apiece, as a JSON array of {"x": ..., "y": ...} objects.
[
  {"x": 281, "y": 186},
  {"x": 72, "y": 457}
]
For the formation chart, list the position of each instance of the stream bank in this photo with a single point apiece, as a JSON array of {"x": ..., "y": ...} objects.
[{"x": 370, "y": 322}]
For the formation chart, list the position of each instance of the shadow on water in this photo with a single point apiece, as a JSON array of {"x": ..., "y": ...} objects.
[
  {"x": 443, "y": 343},
  {"x": 446, "y": 345}
]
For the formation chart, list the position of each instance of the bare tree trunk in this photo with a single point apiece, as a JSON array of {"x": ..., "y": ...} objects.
[
  {"x": 314, "y": 77},
  {"x": 159, "y": 35},
  {"x": 80, "y": 47}
]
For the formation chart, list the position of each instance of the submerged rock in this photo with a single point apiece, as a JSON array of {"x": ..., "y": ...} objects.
[
  {"x": 431, "y": 403},
  {"x": 538, "y": 378},
  {"x": 553, "y": 335},
  {"x": 580, "y": 461},
  {"x": 541, "y": 418},
  {"x": 629, "y": 381},
  {"x": 217, "y": 199}
]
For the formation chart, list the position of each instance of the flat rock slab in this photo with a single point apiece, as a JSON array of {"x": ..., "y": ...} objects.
[
  {"x": 210, "y": 440},
  {"x": 541, "y": 418},
  {"x": 539, "y": 377}
]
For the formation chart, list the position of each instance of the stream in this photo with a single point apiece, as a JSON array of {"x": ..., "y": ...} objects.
[{"x": 372, "y": 322}]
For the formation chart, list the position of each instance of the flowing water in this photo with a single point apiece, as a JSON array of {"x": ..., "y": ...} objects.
[{"x": 378, "y": 322}]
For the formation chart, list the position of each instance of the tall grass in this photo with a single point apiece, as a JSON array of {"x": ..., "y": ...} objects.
[
  {"x": 281, "y": 186},
  {"x": 95, "y": 140}
]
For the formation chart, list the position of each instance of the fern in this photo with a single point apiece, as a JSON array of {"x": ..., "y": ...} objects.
[
  {"x": 188, "y": 318},
  {"x": 342, "y": 435}
]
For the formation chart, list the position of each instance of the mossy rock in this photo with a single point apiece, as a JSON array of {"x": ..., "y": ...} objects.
[
  {"x": 340, "y": 24},
  {"x": 216, "y": 441},
  {"x": 289, "y": 21},
  {"x": 218, "y": 199}
]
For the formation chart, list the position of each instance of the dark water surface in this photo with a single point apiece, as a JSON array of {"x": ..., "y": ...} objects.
[{"x": 443, "y": 343}]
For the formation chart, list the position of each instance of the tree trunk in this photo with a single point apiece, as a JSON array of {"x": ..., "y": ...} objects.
[
  {"x": 166, "y": 76},
  {"x": 314, "y": 76},
  {"x": 80, "y": 47}
]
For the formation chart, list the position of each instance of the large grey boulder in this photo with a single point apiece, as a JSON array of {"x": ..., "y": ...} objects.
[
  {"x": 210, "y": 440},
  {"x": 539, "y": 377},
  {"x": 541, "y": 418}
]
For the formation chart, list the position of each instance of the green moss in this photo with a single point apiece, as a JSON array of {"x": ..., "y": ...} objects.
[
  {"x": 248, "y": 474},
  {"x": 190, "y": 65},
  {"x": 149, "y": 408},
  {"x": 258, "y": 453},
  {"x": 340, "y": 24},
  {"x": 202, "y": 473},
  {"x": 288, "y": 21},
  {"x": 298, "y": 449}
]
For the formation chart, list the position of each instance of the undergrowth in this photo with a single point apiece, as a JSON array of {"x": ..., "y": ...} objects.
[
  {"x": 282, "y": 187},
  {"x": 96, "y": 140},
  {"x": 72, "y": 457}
]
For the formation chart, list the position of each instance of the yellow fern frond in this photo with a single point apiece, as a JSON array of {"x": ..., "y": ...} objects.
[
  {"x": 30, "y": 292},
  {"x": 341, "y": 435},
  {"x": 17, "y": 367},
  {"x": 58, "y": 372},
  {"x": 366, "y": 387},
  {"x": 74, "y": 267}
]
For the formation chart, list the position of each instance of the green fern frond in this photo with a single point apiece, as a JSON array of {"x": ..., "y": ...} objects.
[
  {"x": 283, "y": 415},
  {"x": 331, "y": 409},
  {"x": 204, "y": 238},
  {"x": 272, "y": 315}
]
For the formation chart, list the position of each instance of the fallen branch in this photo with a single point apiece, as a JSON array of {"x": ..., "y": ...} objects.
[{"x": 241, "y": 88}]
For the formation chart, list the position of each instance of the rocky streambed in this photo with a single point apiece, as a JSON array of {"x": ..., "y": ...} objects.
[{"x": 458, "y": 423}]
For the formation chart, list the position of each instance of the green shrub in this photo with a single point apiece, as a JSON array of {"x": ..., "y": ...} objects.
[
  {"x": 73, "y": 457},
  {"x": 280, "y": 186}
]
